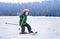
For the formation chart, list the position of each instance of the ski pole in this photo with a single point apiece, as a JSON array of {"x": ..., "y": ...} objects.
[{"x": 11, "y": 23}]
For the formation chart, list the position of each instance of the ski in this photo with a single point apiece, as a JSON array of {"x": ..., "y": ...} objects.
[
  {"x": 33, "y": 33},
  {"x": 29, "y": 33}
]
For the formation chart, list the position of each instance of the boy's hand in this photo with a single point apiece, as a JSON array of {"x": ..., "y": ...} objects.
[{"x": 19, "y": 28}]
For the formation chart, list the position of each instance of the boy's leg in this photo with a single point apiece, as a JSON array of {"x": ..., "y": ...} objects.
[
  {"x": 22, "y": 29},
  {"x": 29, "y": 28}
]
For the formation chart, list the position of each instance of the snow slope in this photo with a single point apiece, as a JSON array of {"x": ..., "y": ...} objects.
[{"x": 47, "y": 27}]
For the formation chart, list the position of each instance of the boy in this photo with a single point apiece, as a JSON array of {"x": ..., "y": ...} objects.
[{"x": 23, "y": 22}]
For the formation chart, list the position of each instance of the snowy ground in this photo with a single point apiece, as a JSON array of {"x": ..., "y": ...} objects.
[{"x": 47, "y": 27}]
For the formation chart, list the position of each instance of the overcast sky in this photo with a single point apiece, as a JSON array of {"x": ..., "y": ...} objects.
[{"x": 21, "y": 1}]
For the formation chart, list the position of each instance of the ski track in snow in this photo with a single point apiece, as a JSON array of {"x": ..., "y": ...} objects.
[{"x": 47, "y": 27}]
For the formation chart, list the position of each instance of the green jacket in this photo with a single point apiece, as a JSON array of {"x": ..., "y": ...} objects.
[{"x": 23, "y": 19}]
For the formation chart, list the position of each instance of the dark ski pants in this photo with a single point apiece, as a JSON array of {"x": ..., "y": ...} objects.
[{"x": 23, "y": 27}]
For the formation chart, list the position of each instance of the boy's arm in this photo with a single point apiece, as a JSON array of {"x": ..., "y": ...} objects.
[{"x": 21, "y": 20}]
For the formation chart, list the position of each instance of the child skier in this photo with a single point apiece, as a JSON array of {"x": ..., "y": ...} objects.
[{"x": 23, "y": 23}]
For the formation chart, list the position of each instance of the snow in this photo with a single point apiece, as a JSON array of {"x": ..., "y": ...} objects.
[{"x": 47, "y": 27}]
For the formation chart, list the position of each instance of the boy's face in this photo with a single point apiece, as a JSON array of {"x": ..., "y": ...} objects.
[{"x": 26, "y": 13}]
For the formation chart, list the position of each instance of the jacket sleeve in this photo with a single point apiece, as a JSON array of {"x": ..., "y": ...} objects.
[{"x": 21, "y": 20}]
